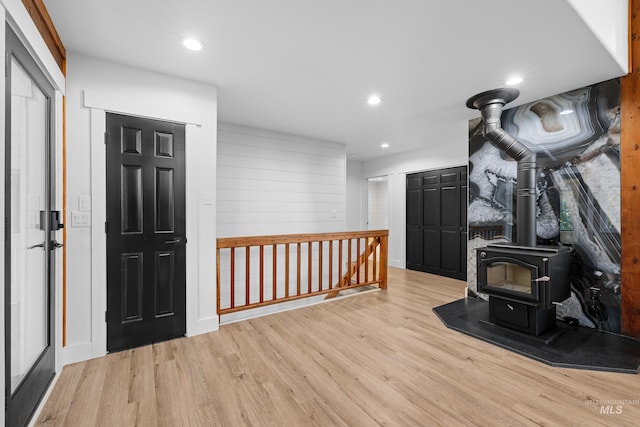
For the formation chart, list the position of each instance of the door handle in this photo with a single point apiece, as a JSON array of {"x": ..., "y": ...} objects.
[
  {"x": 176, "y": 241},
  {"x": 55, "y": 244},
  {"x": 41, "y": 245}
]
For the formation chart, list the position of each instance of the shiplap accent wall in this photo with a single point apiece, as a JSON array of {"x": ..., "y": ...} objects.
[{"x": 274, "y": 183}]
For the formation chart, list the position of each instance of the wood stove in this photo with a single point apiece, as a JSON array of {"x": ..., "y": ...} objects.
[
  {"x": 524, "y": 281},
  {"x": 524, "y": 284}
]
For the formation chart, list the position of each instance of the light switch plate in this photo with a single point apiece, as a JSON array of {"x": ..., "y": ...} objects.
[
  {"x": 80, "y": 219},
  {"x": 84, "y": 203}
]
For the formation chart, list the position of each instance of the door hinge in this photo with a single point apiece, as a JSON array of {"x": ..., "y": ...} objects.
[{"x": 106, "y": 227}]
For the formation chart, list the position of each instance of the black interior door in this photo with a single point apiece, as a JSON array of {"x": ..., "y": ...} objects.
[
  {"x": 146, "y": 254},
  {"x": 436, "y": 231},
  {"x": 29, "y": 238}
]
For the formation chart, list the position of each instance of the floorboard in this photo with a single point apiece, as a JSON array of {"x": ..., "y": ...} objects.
[{"x": 379, "y": 358}]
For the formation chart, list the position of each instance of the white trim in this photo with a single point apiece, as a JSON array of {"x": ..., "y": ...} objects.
[
  {"x": 76, "y": 353},
  {"x": 19, "y": 19},
  {"x": 113, "y": 102},
  {"x": 194, "y": 167},
  {"x": 98, "y": 237},
  {"x": 195, "y": 325},
  {"x": 2, "y": 234},
  {"x": 191, "y": 216}
]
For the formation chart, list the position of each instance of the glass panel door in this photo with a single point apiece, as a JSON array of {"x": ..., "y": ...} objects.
[
  {"x": 29, "y": 196},
  {"x": 29, "y": 353}
]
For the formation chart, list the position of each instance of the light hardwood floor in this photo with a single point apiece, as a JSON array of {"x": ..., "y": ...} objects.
[{"x": 378, "y": 358}]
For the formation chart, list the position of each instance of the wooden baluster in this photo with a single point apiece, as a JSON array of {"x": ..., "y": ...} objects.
[
  {"x": 233, "y": 277},
  {"x": 366, "y": 259},
  {"x": 286, "y": 269},
  {"x": 218, "y": 281},
  {"x": 320, "y": 265},
  {"x": 349, "y": 266},
  {"x": 330, "y": 264},
  {"x": 340, "y": 259},
  {"x": 247, "y": 277},
  {"x": 299, "y": 267},
  {"x": 309, "y": 265},
  {"x": 359, "y": 261},
  {"x": 375, "y": 257},
  {"x": 274, "y": 276},
  {"x": 261, "y": 273}
]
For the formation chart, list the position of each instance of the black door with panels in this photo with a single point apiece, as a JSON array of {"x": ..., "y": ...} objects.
[
  {"x": 30, "y": 225},
  {"x": 146, "y": 253},
  {"x": 437, "y": 222}
]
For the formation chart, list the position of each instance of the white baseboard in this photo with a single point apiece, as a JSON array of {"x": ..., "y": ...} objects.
[
  {"x": 76, "y": 353},
  {"x": 396, "y": 263},
  {"x": 286, "y": 306},
  {"x": 203, "y": 326},
  {"x": 36, "y": 413}
]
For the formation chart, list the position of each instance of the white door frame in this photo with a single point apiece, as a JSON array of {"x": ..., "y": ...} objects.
[{"x": 200, "y": 276}]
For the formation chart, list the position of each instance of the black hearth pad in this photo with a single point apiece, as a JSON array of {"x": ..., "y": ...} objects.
[{"x": 577, "y": 347}]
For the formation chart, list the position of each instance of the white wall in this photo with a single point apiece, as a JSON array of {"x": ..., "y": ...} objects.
[
  {"x": 356, "y": 197},
  {"x": 95, "y": 87},
  {"x": 274, "y": 183},
  {"x": 442, "y": 154},
  {"x": 609, "y": 21}
]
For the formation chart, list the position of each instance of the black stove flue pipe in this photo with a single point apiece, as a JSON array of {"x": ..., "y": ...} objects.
[{"x": 491, "y": 104}]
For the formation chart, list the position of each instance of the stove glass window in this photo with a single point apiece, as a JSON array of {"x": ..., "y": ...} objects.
[{"x": 508, "y": 276}]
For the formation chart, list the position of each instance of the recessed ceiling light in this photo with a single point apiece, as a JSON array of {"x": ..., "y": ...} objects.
[
  {"x": 514, "y": 81},
  {"x": 563, "y": 112},
  {"x": 193, "y": 44},
  {"x": 374, "y": 100},
  {"x": 384, "y": 145}
]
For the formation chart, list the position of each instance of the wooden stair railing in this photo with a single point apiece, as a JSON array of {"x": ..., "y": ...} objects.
[
  {"x": 354, "y": 268},
  {"x": 242, "y": 287}
]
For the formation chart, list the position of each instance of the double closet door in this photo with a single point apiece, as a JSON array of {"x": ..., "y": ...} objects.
[{"x": 436, "y": 232}]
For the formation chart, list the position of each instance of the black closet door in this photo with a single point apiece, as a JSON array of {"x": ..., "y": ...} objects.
[{"x": 437, "y": 222}]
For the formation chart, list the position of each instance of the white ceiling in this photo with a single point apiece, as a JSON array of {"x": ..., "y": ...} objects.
[{"x": 307, "y": 67}]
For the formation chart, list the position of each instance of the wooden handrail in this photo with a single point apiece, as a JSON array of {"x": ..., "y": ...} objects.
[
  {"x": 236, "y": 293},
  {"x": 280, "y": 239}
]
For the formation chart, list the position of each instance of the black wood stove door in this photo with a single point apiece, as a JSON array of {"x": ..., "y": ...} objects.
[
  {"x": 436, "y": 216},
  {"x": 146, "y": 254}
]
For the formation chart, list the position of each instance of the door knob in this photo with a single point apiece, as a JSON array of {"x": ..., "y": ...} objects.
[
  {"x": 41, "y": 245},
  {"x": 55, "y": 244},
  {"x": 176, "y": 241}
]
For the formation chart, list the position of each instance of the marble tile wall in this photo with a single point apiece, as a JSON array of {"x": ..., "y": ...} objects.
[{"x": 576, "y": 136}]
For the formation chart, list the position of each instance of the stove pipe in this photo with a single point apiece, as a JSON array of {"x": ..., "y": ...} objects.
[{"x": 491, "y": 104}]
